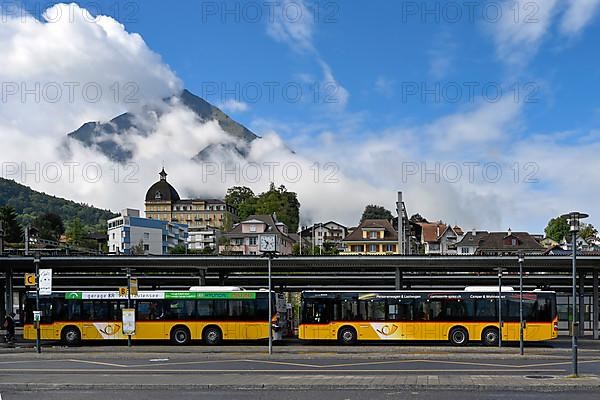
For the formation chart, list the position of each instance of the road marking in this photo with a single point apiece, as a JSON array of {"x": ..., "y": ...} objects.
[
  {"x": 182, "y": 363},
  {"x": 99, "y": 363},
  {"x": 247, "y": 371},
  {"x": 561, "y": 363}
]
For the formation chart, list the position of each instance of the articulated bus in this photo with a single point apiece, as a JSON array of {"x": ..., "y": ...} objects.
[
  {"x": 212, "y": 314},
  {"x": 454, "y": 316}
]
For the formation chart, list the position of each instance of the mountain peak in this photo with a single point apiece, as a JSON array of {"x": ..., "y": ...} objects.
[{"x": 101, "y": 134}]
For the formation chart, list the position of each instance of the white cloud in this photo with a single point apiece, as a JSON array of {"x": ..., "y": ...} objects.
[
  {"x": 334, "y": 94},
  {"x": 76, "y": 66},
  {"x": 293, "y": 24},
  {"x": 521, "y": 28},
  {"x": 578, "y": 15},
  {"x": 234, "y": 106}
]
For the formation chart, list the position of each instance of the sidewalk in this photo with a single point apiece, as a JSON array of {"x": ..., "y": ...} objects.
[{"x": 222, "y": 382}]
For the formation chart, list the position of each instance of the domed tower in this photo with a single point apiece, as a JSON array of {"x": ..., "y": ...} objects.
[{"x": 160, "y": 199}]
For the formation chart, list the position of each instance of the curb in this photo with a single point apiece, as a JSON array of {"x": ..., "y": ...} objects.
[{"x": 34, "y": 387}]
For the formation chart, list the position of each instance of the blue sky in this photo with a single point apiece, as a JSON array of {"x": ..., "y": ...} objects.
[
  {"x": 367, "y": 46},
  {"x": 374, "y": 59}
]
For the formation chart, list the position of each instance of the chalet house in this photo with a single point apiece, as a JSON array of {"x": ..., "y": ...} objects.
[
  {"x": 372, "y": 237},
  {"x": 439, "y": 238},
  {"x": 329, "y": 232},
  {"x": 470, "y": 242},
  {"x": 508, "y": 243}
]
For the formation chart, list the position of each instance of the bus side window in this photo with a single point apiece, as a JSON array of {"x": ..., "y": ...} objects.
[
  {"x": 74, "y": 310},
  {"x": 87, "y": 312}
]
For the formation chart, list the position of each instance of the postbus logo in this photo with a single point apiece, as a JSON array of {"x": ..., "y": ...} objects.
[{"x": 388, "y": 330}]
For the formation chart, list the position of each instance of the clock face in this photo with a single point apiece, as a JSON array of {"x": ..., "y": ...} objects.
[{"x": 268, "y": 243}]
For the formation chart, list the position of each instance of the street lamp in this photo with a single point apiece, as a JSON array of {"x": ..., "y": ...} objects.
[
  {"x": 573, "y": 219},
  {"x": 521, "y": 322},
  {"x": 499, "y": 306}
]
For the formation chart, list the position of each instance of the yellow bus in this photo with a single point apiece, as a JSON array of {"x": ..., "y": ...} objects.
[
  {"x": 201, "y": 313},
  {"x": 455, "y": 316}
]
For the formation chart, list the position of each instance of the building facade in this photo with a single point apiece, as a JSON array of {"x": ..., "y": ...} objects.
[
  {"x": 320, "y": 234},
  {"x": 131, "y": 234},
  {"x": 205, "y": 218},
  {"x": 243, "y": 239},
  {"x": 508, "y": 244},
  {"x": 468, "y": 245},
  {"x": 372, "y": 237}
]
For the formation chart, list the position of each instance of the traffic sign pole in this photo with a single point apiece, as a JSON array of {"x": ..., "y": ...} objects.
[
  {"x": 38, "y": 345},
  {"x": 129, "y": 300}
]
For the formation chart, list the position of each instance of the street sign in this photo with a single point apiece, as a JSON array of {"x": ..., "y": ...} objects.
[
  {"x": 37, "y": 316},
  {"x": 45, "y": 283},
  {"x": 122, "y": 291},
  {"x": 133, "y": 284},
  {"x": 29, "y": 279},
  {"x": 129, "y": 321}
]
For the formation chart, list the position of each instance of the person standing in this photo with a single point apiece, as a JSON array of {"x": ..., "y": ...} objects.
[{"x": 9, "y": 325}]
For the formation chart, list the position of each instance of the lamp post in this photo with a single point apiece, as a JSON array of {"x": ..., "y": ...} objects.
[
  {"x": 574, "y": 219},
  {"x": 499, "y": 306},
  {"x": 521, "y": 322}
]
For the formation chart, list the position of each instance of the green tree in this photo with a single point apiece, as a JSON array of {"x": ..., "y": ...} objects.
[
  {"x": 281, "y": 202},
  {"x": 179, "y": 249},
  {"x": 373, "y": 211},
  {"x": 237, "y": 195},
  {"x": 75, "y": 232},
  {"x": 50, "y": 226},
  {"x": 12, "y": 230},
  {"x": 276, "y": 200},
  {"x": 557, "y": 229},
  {"x": 588, "y": 231}
]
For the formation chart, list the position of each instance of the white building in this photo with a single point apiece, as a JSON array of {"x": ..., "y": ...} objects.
[
  {"x": 130, "y": 232},
  {"x": 329, "y": 232},
  {"x": 202, "y": 239}
]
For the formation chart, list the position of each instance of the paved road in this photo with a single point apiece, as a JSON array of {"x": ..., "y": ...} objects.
[
  {"x": 122, "y": 364},
  {"x": 295, "y": 395},
  {"x": 202, "y": 368}
]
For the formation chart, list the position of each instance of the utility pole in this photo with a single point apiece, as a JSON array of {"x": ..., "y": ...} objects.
[{"x": 27, "y": 240}]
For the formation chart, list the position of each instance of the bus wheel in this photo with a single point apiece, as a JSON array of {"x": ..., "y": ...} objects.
[
  {"x": 490, "y": 336},
  {"x": 459, "y": 336},
  {"x": 181, "y": 335},
  {"x": 212, "y": 335},
  {"x": 347, "y": 336},
  {"x": 71, "y": 336}
]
